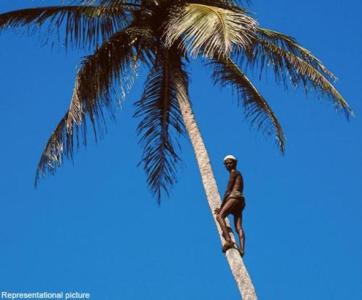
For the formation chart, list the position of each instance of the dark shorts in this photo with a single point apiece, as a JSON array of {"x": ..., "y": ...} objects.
[{"x": 238, "y": 203}]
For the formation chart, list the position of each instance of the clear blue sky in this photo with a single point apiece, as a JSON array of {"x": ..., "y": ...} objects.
[{"x": 95, "y": 226}]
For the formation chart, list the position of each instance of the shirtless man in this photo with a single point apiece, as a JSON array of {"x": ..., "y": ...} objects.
[{"x": 233, "y": 203}]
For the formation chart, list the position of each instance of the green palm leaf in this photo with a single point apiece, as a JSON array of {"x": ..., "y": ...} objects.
[
  {"x": 290, "y": 44},
  {"x": 84, "y": 26},
  {"x": 226, "y": 72},
  {"x": 300, "y": 67},
  {"x": 113, "y": 63},
  {"x": 161, "y": 117},
  {"x": 209, "y": 30}
]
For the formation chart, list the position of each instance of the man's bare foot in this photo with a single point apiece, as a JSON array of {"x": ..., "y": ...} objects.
[
  {"x": 226, "y": 236},
  {"x": 228, "y": 245}
]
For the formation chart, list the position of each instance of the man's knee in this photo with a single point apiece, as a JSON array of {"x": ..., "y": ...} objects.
[
  {"x": 223, "y": 214},
  {"x": 219, "y": 217}
]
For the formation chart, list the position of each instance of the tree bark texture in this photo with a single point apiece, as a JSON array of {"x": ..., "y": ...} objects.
[{"x": 234, "y": 259}]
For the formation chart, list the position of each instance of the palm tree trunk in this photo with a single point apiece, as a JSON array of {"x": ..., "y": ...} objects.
[{"x": 235, "y": 261}]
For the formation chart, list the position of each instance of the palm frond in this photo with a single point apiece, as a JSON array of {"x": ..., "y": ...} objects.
[
  {"x": 290, "y": 44},
  {"x": 135, "y": 3},
  {"x": 161, "y": 117},
  {"x": 290, "y": 63},
  {"x": 226, "y": 4},
  {"x": 112, "y": 65},
  {"x": 209, "y": 30},
  {"x": 226, "y": 72},
  {"x": 84, "y": 26}
]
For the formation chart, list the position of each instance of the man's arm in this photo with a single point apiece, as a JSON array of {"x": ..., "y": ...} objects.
[{"x": 229, "y": 187}]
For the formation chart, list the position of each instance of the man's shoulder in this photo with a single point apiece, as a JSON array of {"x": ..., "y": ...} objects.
[
  {"x": 235, "y": 172},
  {"x": 238, "y": 173}
]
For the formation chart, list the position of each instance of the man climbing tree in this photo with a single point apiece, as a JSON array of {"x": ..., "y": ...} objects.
[{"x": 233, "y": 203}]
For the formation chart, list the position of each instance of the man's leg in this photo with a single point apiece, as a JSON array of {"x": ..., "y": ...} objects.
[
  {"x": 225, "y": 211},
  {"x": 238, "y": 219}
]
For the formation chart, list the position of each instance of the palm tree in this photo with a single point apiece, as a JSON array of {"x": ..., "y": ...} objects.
[{"x": 164, "y": 35}]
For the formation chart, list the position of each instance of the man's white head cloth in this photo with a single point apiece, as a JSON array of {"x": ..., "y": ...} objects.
[{"x": 230, "y": 157}]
